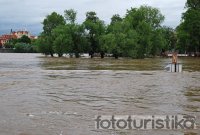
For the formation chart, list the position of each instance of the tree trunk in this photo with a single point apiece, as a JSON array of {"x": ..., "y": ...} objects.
[
  {"x": 59, "y": 55},
  {"x": 51, "y": 54},
  {"x": 116, "y": 56},
  {"x": 91, "y": 54},
  {"x": 102, "y": 55},
  {"x": 77, "y": 55}
]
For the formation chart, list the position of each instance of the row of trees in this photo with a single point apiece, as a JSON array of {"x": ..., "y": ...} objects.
[{"x": 138, "y": 34}]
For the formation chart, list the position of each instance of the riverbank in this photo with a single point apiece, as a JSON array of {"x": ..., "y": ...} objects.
[{"x": 6, "y": 50}]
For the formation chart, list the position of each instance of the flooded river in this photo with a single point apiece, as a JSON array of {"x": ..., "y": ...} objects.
[{"x": 61, "y": 96}]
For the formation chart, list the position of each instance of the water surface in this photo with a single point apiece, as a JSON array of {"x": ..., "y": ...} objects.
[{"x": 53, "y": 96}]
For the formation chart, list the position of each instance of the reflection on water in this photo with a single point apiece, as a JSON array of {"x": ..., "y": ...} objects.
[{"x": 54, "y": 96}]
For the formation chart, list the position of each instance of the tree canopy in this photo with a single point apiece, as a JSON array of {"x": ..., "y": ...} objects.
[
  {"x": 189, "y": 30},
  {"x": 137, "y": 34}
]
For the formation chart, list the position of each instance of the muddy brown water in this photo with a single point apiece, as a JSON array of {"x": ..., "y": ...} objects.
[{"x": 60, "y": 96}]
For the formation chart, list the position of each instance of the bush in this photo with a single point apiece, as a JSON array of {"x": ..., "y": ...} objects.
[
  {"x": 9, "y": 45},
  {"x": 24, "y": 48}
]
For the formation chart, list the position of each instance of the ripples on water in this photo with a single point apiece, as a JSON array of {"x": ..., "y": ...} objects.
[{"x": 54, "y": 96}]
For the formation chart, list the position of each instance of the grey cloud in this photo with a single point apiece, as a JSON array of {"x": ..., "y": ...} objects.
[{"x": 30, "y": 13}]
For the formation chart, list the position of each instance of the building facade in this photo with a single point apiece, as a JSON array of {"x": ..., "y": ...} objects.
[{"x": 14, "y": 35}]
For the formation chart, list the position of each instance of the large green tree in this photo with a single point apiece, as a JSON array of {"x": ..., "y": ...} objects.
[
  {"x": 114, "y": 39},
  {"x": 189, "y": 29},
  {"x": 137, "y": 35},
  {"x": 42, "y": 45},
  {"x": 145, "y": 21},
  {"x": 140, "y": 30},
  {"x": 76, "y": 33},
  {"x": 50, "y": 22},
  {"x": 95, "y": 28},
  {"x": 62, "y": 40},
  {"x": 183, "y": 43}
]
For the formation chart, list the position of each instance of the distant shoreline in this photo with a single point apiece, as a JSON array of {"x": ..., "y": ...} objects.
[
  {"x": 10, "y": 50},
  {"x": 6, "y": 50}
]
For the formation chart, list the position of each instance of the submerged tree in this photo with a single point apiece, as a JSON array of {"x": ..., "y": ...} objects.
[
  {"x": 42, "y": 45},
  {"x": 145, "y": 20},
  {"x": 76, "y": 32},
  {"x": 62, "y": 40},
  {"x": 50, "y": 22},
  {"x": 139, "y": 34},
  {"x": 95, "y": 28}
]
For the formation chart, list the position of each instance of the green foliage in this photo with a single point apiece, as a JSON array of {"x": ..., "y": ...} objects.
[
  {"x": 183, "y": 44},
  {"x": 42, "y": 45},
  {"x": 50, "y": 22},
  {"x": 13, "y": 42},
  {"x": 22, "y": 45},
  {"x": 62, "y": 37},
  {"x": 24, "y": 39},
  {"x": 62, "y": 40},
  {"x": 170, "y": 38},
  {"x": 188, "y": 31},
  {"x": 112, "y": 43},
  {"x": 145, "y": 23},
  {"x": 95, "y": 28},
  {"x": 76, "y": 33},
  {"x": 9, "y": 45},
  {"x": 79, "y": 41},
  {"x": 70, "y": 15},
  {"x": 158, "y": 43},
  {"x": 150, "y": 15},
  {"x": 116, "y": 18},
  {"x": 193, "y": 4},
  {"x": 24, "y": 48},
  {"x": 139, "y": 34}
]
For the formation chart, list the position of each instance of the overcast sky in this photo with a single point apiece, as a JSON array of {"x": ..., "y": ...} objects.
[{"x": 28, "y": 14}]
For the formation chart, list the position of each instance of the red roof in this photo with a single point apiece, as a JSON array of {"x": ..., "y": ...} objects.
[{"x": 8, "y": 36}]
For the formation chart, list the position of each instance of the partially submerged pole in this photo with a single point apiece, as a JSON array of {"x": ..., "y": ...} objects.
[
  {"x": 174, "y": 66},
  {"x": 174, "y": 60}
]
